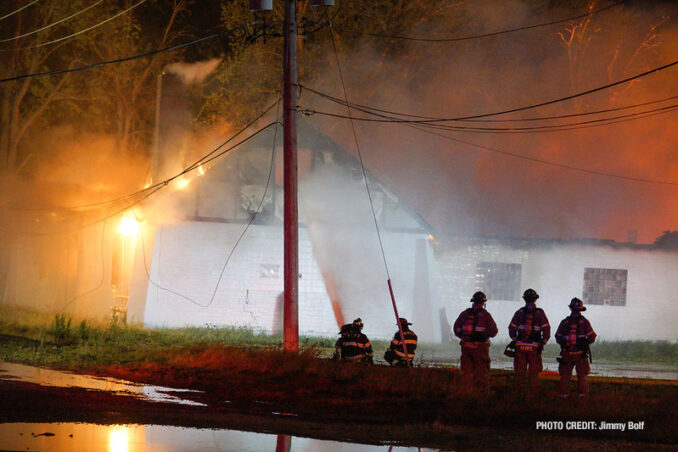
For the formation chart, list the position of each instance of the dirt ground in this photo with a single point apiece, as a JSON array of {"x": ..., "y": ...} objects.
[{"x": 359, "y": 419}]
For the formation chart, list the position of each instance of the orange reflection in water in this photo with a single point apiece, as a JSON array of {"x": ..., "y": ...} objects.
[{"x": 60, "y": 437}]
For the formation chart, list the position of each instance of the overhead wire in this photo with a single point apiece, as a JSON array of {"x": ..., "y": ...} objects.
[
  {"x": 201, "y": 161},
  {"x": 54, "y": 41},
  {"x": 546, "y": 162},
  {"x": 237, "y": 242},
  {"x": 425, "y": 128},
  {"x": 475, "y": 129},
  {"x": 369, "y": 195},
  {"x": 496, "y": 33},
  {"x": 14, "y": 38},
  {"x": 120, "y": 60},
  {"x": 19, "y": 10},
  {"x": 548, "y": 102},
  {"x": 160, "y": 185},
  {"x": 357, "y": 144},
  {"x": 371, "y": 109}
]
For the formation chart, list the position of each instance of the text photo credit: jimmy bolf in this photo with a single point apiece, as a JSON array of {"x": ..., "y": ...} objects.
[{"x": 590, "y": 425}]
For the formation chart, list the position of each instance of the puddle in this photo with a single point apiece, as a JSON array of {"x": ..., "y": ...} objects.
[
  {"x": 654, "y": 372},
  {"x": 59, "y": 437},
  {"x": 61, "y": 379}
]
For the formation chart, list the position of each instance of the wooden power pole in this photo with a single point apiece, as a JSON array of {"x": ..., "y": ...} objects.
[{"x": 291, "y": 215}]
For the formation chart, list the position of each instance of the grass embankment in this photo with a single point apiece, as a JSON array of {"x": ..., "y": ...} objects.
[{"x": 241, "y": 366}]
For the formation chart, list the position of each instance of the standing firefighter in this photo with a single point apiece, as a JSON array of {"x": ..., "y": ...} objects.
[
  {"x": 529, "y": 331},
  {"x": 574, "y": 336},
  {"x": 475, "y": 326},
  {"x": 363, "y": 341},
  {"x": 395, "y": 355}
]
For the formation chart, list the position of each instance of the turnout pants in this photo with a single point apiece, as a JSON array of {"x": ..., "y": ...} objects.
[
  {"x": 527, "y": 363},
  {"x": 569, "y": 361},
  {"x": 475, "y": 363}
]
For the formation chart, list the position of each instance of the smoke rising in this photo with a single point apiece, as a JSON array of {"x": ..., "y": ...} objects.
[
  {"x": 191, "y": 73},
  {"x": 463, "y": 189}
]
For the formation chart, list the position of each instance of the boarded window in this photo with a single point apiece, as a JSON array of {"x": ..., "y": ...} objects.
[
  {"x": 605, "y": 286},
  {"x": 499, "y": 280}
]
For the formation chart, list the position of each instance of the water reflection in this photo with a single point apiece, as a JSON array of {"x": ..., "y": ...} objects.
[
  {"x": 60, "y": 437},
  {"x": 652, "y": 371},
  {"x": 60, "y": 379}
]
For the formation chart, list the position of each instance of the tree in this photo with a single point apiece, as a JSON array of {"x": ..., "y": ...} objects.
[
  {"x": 252, "y": 72},
  {"x": 115, "y": 99}
]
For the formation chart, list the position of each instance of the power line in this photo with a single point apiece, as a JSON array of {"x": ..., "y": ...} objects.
[
  {"x": 18, "y": 10},
  {"x": 233, "y": 248},
  {"x": 155, "y": 188},
  {"x": 549, "y": 102},
  {"x": 120, "y": 60},
  {"x": 53, "y": 23},
  {"x": 496, "y": 33},
  {"x": 79, "y": 32},
  {"x": 370, "y": 110},
  {"x": 357, "y": 145},
  {"x": 474, "y": 129},
  {"x": 545, "y": 162},
  {"x": 189, "y": 168}
]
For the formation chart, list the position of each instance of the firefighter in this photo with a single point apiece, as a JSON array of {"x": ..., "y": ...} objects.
[
  {"x": 529, "y": 331},
  {"x": 475, "y": 326},
  {"x": 574, "y": 336},
  {"x": 363, "y": 342},
  {"x": 395, "y": 355},
  {"x": 348, "y": 347}
]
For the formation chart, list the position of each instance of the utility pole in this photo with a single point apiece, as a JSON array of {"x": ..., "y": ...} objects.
[
  {"x": 291, "y": 215},
  {"x": 291, "y": 211}
]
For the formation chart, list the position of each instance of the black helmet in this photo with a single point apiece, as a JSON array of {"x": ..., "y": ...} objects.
[
  {"x": 530, "y": 295},
  {"x": 577, "y": 305},
  {"x": 358, "y": 324},
  {"x": 478, "y": 297},
  {"x": 404, "y": 322},
  {"x": 346, "y": 329}
]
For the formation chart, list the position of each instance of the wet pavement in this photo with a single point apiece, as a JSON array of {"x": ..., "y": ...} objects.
[
  {"x": 61, "y": 379},
  {"x": 651, "y": 371},
  {"x": 59, "y": 437},
  {"x": 134, "y": 437}
]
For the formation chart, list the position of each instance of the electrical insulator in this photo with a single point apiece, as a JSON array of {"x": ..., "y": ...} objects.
[
  {"x": 322, "y": 2},
  {"x": 261, "y": 5}
]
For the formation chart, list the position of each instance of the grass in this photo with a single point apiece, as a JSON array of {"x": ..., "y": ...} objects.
[{"x": 106, "y": 342}]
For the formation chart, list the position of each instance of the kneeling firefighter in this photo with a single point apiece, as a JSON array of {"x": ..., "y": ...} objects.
[
  {"x": 352, "y": 345},
  {"x": 395, "y": 355}
]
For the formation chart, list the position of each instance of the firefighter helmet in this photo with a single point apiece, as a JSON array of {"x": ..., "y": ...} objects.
[
  {"x": 478, "y": 297},
  {"x": 577, "y": 305},
  {"x": 530, "y": 295},
  {"x": 358, "y": 324},
  {"x": 404, "y": 322},
  {"x": 346, "y": 329}
]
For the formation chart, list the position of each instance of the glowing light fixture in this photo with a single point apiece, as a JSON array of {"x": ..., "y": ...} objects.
[
  {"x": 118, "y": 439},
  {"x": 261, "y": 5},
  {"x": 201, "y": 170},
  {"x": 182, "y": 183},
  {"x": 431, "y": 238},
  {"x": 128, "y": 225}
]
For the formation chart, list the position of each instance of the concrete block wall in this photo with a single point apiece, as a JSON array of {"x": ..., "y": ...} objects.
[
  {"x": 188, "y": 257},
  {"x": 556, "y": 272}
]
